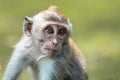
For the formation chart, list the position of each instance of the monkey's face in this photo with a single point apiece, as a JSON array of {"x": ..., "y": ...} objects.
[
  {"x": 52, "y": 38},
  {"x": 49, "y": 30}
]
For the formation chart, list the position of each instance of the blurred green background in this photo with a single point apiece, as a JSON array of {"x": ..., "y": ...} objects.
[{"x": 96, "y": 31}]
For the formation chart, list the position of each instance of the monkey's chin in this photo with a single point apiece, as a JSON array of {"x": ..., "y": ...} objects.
[{"x": 51, "y": 52}]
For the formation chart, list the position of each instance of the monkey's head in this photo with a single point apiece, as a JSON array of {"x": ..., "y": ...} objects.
[{"x": 49, "y": 30}]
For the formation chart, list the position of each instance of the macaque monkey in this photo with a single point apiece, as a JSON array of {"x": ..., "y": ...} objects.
[{"x": 47, "y": 50}]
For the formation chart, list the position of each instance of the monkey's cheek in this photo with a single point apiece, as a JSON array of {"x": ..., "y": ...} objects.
[{"x": 45, "y": 51}]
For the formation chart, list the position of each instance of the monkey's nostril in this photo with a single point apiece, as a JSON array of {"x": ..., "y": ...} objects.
[
  {"x": 41, "y": 40},
  {"x": 55, "y": 42}
]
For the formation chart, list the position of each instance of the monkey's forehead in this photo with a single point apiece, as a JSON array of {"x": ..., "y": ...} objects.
[
  {"x": 47, "y": 23},
  {"x": 52, "y": 23},
  {"x": 50, "y": 17},
  {"x": 53, "y": 11}
]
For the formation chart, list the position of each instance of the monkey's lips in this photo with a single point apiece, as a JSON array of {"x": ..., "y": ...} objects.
[{"x": 51, "y": 49}]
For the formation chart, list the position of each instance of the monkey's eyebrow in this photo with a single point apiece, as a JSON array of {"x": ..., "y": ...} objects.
[{"x": 52, "y": 23}]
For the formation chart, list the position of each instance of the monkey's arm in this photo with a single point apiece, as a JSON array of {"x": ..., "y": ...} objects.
[
  {"x": 17, "y": 63},
  {"x": 77, "y": 68}
]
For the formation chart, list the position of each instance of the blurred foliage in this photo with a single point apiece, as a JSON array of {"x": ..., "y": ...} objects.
[{"x": 96, "y": 30}]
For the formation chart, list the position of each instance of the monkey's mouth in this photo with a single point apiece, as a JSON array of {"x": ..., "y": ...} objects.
[
  {"x": 52, "y": 52},
  {"x": 51, "y": 49}
]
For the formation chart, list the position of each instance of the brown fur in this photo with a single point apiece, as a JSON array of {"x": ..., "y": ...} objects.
[{"x": 54, "y": 8}]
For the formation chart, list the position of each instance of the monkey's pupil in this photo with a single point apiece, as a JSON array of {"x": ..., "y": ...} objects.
[
  {"x": 61, "y": 32},
  {"x": 49, "y": 30}
]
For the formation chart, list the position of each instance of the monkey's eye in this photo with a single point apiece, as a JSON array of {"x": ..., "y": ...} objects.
[
  {"x": 49, "y": 30},
  {"x": 61, "y": 32}
]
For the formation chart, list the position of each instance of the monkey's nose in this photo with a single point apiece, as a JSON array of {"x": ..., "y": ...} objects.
[{"x": 55, "y": 42}]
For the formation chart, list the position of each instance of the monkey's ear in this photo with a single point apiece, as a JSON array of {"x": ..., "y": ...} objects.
[{"x": 27, "y": 25}]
